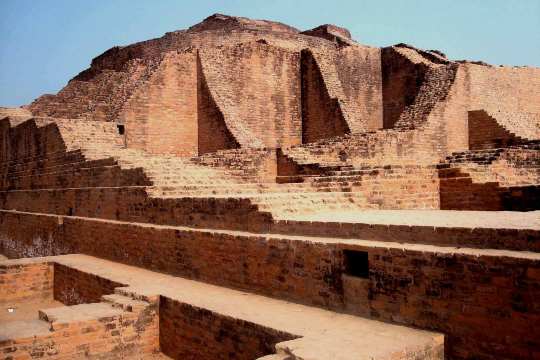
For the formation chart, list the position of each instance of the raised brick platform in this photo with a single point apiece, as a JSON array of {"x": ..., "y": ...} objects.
[
  {"x": 363, "y": 184},
  {"x": 209, "y": 316}
]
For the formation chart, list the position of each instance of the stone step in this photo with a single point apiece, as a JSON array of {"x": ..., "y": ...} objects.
[
  {"x": 81, "y": 312},
  {"x": 72, "y": 166},
  {"x": 44, "y": 157},
  {"x": 276, "y": 357},
  {"x": 125, "y": 303}
]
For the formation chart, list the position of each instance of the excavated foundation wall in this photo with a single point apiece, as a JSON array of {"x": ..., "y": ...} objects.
[
  {"x": 188, "y": 332},
  {"x": 47, "y": 280},
  {"x": 459, "y": 293},
  {"x": 113, "y": 337},
  {"x": 72, "y": 286}
]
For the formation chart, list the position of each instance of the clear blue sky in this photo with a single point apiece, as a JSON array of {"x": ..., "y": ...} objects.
[{"x": 43, "y": 43}]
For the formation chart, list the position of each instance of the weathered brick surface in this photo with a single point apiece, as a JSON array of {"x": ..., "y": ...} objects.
[
  {"x": 257, "y": 87},
  {"x": 251, "y": 125},
  {"x": 457, "y": 292},
  {"x": 187, "y": 332},
  {"x": 161, "y": 117},
  {"x": 72, "y": 286},
  {"x": 19, "y": 283}
]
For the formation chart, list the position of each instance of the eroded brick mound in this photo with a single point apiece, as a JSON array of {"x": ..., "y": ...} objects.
[
  {"x": 257, "y": 83},
  {"x": 248, "y": 154}
]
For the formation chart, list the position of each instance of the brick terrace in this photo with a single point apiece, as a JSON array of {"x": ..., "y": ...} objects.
[{"x": 369, "y": 186}]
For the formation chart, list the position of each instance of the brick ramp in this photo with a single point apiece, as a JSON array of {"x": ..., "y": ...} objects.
[{"x": 321, "y": 334}]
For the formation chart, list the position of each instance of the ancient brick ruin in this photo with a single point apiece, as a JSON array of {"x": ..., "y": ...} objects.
[{"x": 245, "y": 190}]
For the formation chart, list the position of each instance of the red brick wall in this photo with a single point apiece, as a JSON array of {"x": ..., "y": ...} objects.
[
  {"x": 257, "y": 88},
  {"x": 29, "y": 140},
  {"x": 322, "y": 115},
  {"x": 4, "y": 142},
  {"x": 401, "y": 81},
  {"x": 461, "y": 294},
  {"x": 187, "y": 332},
  {"x": 131, "y": 335},
  {"x": 486, "y": 133},
  {"x": 133, "y": 204},
  {"x": 72, "y": 286},
  {"x": 25, "y": 282},
  {"x": 161, "y": 117},
  {"x": 213, "y": 133},
  {"x": 37, "y": 157},
  {"x": 458, "y": 192}
]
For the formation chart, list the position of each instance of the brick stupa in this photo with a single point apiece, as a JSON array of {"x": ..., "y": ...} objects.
[{"x": 246, "y": 190}]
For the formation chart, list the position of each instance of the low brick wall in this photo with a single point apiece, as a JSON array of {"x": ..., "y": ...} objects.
[
  {"x": 481, "y": 238},
  {"x": 134, "y": 204},
  {"x": 115, "y": 337},
  {"x": 26, "y": 282},
  {"x": 72, "y": 286},
  {"x": 187, "y": 332},
  {"x": 460, "y": 292}
]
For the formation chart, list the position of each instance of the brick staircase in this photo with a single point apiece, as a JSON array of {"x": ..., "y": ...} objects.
[
  {"x": 511, "y": 166},
  {"x": 492, "y": 179},
  {"x": 117, "y": 323},
  {"x": 497, "y": 129}
]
